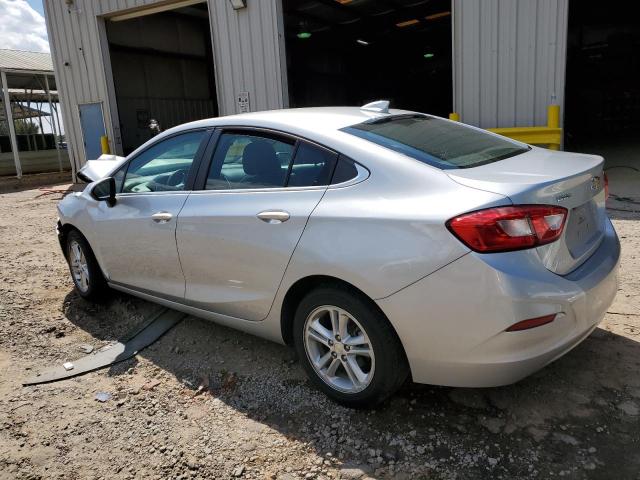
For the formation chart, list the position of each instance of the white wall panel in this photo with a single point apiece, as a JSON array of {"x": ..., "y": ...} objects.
[
  {"x": 246, "y": 47},
  {"x": 509, "y": 60}
]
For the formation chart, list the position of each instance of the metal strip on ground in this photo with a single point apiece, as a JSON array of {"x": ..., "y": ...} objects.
[{"x": 151, "y": 331}]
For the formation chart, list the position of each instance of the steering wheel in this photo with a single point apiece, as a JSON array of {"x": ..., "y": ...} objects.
[{"x": 177, "y": 178}]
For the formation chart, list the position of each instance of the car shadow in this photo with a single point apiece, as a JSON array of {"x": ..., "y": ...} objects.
[{"x": 577, "y": 415}]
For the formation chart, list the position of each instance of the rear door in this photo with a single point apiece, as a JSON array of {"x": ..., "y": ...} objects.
[{"x": 235, "y": 237}]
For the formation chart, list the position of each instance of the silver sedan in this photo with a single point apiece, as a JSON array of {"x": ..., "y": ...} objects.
[{"x": 382, "y": 244}]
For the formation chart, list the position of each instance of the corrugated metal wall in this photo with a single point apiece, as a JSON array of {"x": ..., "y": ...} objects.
[
  {"x": 509, "y": 60},
  {"x": 246, "y": 51}
]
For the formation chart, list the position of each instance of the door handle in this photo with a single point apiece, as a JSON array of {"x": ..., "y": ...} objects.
[
  {"x": 273, "y": 216},
  {"x": 161, "y": 217}
]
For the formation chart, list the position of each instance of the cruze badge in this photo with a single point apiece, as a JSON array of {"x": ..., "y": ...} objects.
[
  {"x": 562, "y": 197},
  {"x": 595, "y": 183}
]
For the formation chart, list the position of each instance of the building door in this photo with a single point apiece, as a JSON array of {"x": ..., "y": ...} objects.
[
  {"x": 163, "y": 70},
  {"x": 92, "y": 124}
]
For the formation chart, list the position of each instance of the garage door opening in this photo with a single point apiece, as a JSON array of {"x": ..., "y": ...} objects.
[
  {"x": 602, "y": 97},
  {"x": 163, "y": 70},
  {"x": 350, "y": 52}
]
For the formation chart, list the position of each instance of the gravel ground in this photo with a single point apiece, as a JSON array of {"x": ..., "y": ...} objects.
[{"x": 208, "y": 402}]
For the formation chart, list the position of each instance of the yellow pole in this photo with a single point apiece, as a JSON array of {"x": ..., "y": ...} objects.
[
  {"x": 104, "y": 143},
  {"x": 454, "y": 116},
  {"x": 553, "y": 121}
]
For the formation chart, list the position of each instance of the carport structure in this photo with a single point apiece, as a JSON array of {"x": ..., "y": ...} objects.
[{"x": 29, "y": 121}]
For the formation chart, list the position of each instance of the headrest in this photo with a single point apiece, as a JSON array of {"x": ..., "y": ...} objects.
[{"x": 259, "y": 158}]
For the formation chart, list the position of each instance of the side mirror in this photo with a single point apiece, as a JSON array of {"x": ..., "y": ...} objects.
[{"x": 105, "y": 191}]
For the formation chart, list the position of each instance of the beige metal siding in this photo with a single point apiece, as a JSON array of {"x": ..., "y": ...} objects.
[
  {"x": 246, "y": 51},
  {"x": 75, "y": 48},
  {"x": 509, "y": 60}
]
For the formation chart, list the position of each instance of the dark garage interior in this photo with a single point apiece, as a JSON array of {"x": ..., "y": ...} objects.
[
  {"x": 350, "y": 52},
  {"x": 602, "y": 89},
  {"x": 163, "y": 69}
]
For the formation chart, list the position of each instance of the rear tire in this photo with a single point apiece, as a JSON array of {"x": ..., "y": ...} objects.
[
  {"x": 348, "y": 348},
  {"x": 87, "y": 277}
]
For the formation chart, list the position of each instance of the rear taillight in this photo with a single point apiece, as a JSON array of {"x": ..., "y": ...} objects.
[
  {"x": 503, "y": 229},
  {"x": 606, "y": 185}
]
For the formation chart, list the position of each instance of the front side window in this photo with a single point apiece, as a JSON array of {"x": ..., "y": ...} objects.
[
  {"x": 163, "y": 167},
  {"x": 437, "y": 142},
  {"x": 246, "y": 160}
]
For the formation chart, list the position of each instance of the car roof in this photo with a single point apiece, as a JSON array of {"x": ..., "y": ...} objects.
[{"x": 297, "y": 120}]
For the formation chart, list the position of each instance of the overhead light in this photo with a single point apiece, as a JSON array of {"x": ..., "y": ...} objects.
[
  {"x": 238, "y": 4},
  {"x": 406, "y": 23},
  {"x": 303, "y": 30},
  {"x": 429, "y": 55},
  {"x": 344, "y": 2},
  {"x": 362, "y": 42},
  {"x": 435, "y": 16}
]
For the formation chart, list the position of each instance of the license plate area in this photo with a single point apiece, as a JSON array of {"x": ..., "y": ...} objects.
[{"x": 583, "y": 229}]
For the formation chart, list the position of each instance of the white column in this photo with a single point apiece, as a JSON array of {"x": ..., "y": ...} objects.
[
  {"x": 54, "y": 121},
  {"x": 12, "y": 130}
]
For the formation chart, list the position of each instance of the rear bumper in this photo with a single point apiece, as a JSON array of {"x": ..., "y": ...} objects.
[{"x": 452, "y": 323}]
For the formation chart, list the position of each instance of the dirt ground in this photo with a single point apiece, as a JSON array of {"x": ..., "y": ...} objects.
[{"x": 208, "y": 402}]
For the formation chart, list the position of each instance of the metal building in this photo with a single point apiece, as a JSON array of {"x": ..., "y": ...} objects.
[{"x": 121, "y": 63}]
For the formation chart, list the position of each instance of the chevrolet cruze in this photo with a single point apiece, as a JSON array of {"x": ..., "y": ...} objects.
[{"x": 382, "y": 244}]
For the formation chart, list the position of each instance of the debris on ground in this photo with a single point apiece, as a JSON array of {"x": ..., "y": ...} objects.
[
  {"x": 151, "y": 385},
  {"x": 103, "y": 397}
]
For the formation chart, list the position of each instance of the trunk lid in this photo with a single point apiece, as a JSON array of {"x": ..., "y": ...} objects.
[{"x": 540, "y": 176}]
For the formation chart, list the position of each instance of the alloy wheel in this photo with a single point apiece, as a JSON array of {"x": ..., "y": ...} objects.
[
  {"x": 339, "y": 349},
  {"x": 79, "y": 266}
]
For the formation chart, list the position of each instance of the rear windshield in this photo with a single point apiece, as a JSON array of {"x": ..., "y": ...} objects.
[{"x": 435, "y": 141}]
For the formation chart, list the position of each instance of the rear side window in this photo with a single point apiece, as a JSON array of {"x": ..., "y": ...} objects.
[
  {"x": 435, "y": 141},
  {"x": 345, "y": 170},
  {"x": 244, "y": 161},
  {"x": 312, "y": 166}
]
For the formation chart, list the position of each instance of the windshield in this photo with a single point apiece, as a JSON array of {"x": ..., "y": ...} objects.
[{"x": 437, "y": 142}]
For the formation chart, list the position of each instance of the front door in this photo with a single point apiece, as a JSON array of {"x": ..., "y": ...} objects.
[
  {"x": 137, "y": 246},
  {"x": 235, "y": 237},
  {"x": 92, "y": 125}
]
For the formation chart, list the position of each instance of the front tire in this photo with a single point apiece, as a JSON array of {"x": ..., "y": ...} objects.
[
  {"x": 348, "y": 348},
  {"x": 85, "y": 272}
]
